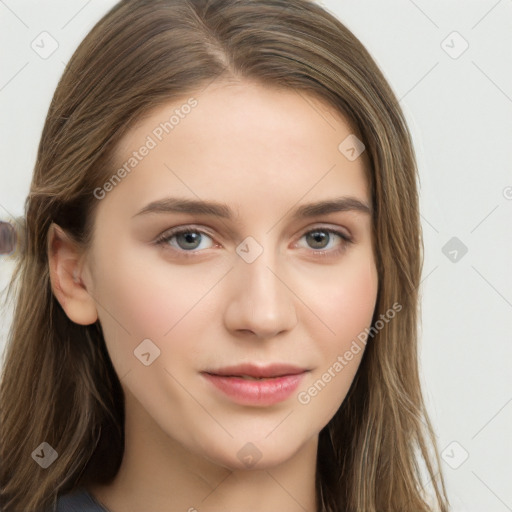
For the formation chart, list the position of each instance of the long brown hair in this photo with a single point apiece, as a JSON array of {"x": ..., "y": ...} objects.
[{"x": 58, "y": 383}]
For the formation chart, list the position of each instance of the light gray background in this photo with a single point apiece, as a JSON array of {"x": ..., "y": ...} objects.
[{"x": 459, "y": 108}]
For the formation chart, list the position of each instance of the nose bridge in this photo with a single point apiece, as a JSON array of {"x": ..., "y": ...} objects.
[
  {"x": 260, "y": 301},
  {"x": 259, "y": 281}
]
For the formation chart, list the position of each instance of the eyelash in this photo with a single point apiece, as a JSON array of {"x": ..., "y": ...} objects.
[{"x": 164, "y": 239}]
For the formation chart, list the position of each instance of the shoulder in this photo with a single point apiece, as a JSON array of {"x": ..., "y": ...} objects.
[{"x": 78, "y": 501}]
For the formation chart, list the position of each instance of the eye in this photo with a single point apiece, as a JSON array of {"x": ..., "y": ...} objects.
[
  {"x": 319, "y": 239},
  {"x": 186, "y": 239}
]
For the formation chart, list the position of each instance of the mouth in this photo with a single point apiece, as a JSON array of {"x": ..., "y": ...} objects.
[{"x": 251, "y": 384}]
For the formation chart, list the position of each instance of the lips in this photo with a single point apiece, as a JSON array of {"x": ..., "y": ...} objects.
[
  {"x": 250, "y": 384},
  {"x": 257, "y": 372}
]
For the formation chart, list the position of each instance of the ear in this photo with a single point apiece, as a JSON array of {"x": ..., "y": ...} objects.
[{"x": 65, "y": 262}]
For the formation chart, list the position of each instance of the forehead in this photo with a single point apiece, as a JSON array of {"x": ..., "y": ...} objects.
[{"x": 239, "y": 137}]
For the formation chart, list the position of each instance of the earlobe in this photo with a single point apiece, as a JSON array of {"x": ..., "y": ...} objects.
[{"x": 65, "y": 261}]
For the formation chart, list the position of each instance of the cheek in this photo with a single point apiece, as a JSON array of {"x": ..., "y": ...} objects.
[
  {"x": 149, "y": 296},
  {"x": 347, "y": 312},
  {"x": 346, "y": 303},
  {"x": 357, "y": 295}
]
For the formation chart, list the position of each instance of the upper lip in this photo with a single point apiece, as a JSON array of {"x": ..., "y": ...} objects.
[{"x": 254, "y": 370}]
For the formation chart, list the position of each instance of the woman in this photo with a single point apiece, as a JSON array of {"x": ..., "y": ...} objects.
[{"x": 272, "y": 366}]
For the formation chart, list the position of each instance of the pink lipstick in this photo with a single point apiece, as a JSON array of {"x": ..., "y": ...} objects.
[{"x": 250, "y": 384}]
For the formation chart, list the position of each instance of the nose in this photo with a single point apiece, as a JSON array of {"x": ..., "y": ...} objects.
[{"x": 261, "y": 302}]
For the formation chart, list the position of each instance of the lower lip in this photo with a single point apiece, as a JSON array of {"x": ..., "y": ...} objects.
[{"x": 256, "y": 392}]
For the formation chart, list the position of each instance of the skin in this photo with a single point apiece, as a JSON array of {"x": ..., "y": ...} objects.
[{"x": 263, "y": 152}]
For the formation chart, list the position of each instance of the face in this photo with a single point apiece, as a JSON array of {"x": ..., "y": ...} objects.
[{"x": 187, "y": 294}]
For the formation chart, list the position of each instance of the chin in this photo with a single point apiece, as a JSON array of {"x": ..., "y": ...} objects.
[{"x": 252, "y": 455}]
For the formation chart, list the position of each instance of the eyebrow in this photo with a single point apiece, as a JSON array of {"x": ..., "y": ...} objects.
[{"x": 215, "y": 209}]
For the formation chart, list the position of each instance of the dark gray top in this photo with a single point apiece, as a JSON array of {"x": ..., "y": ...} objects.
[{"x": 78, "y": 501}]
